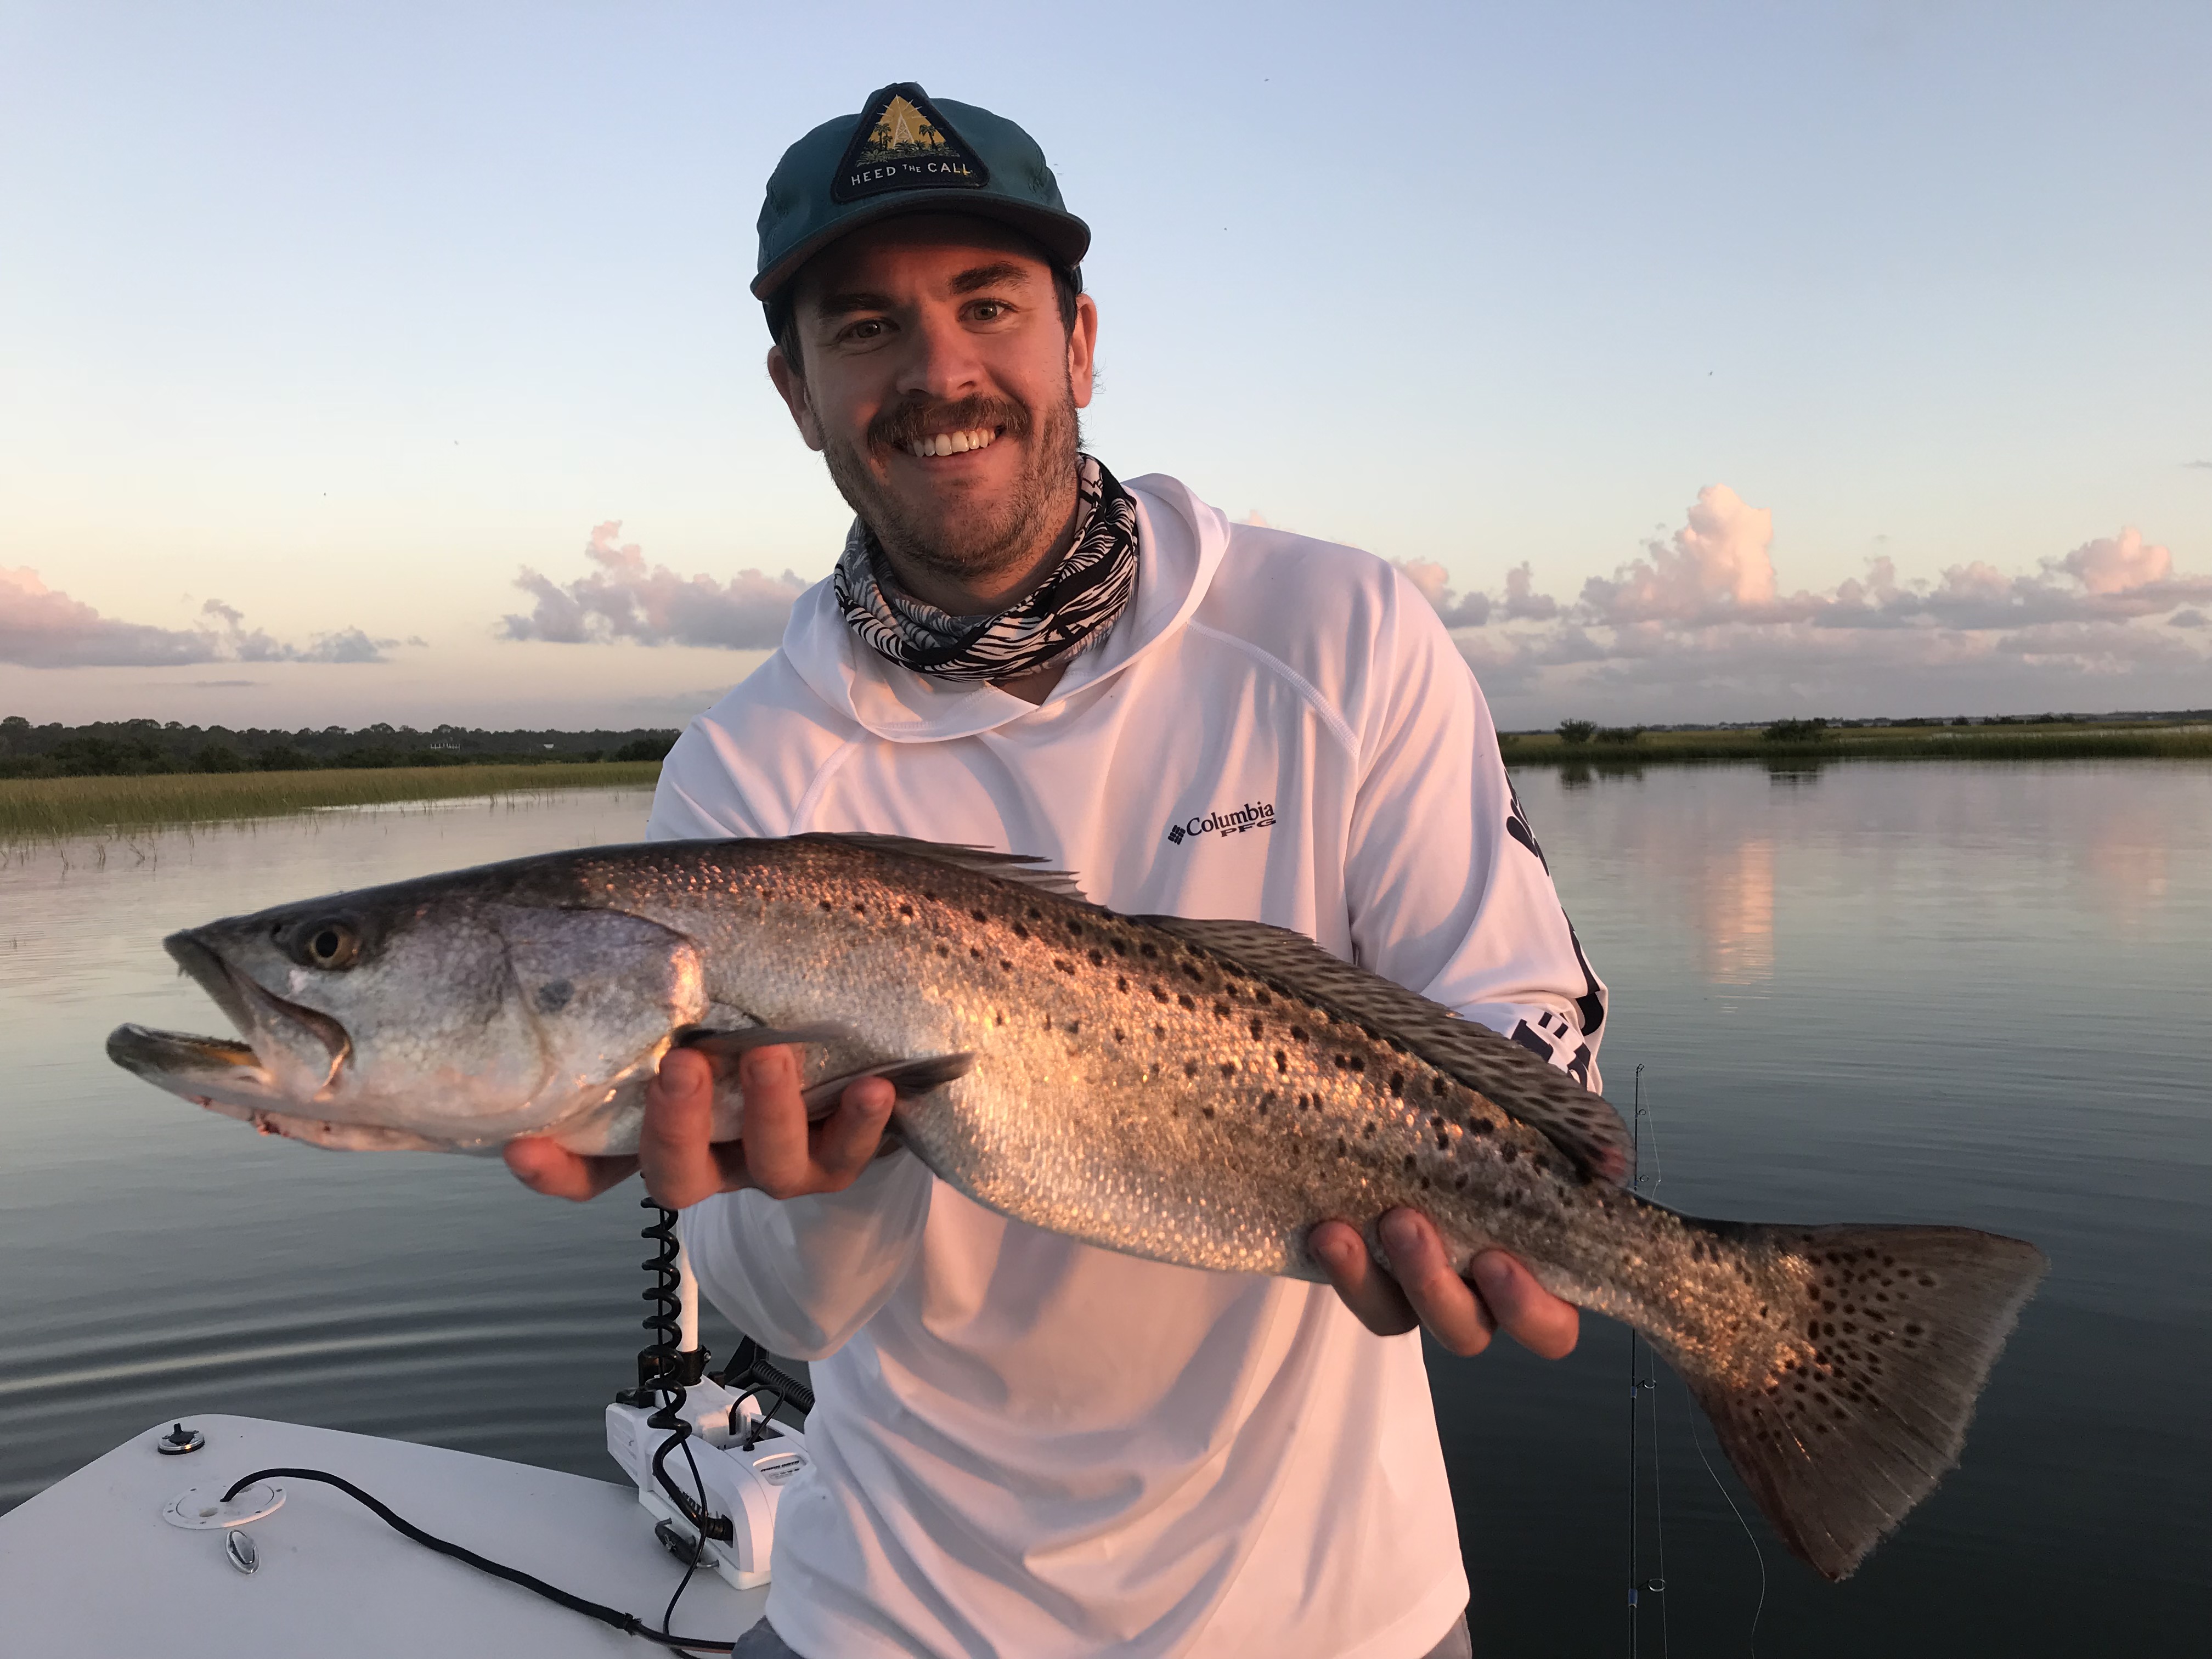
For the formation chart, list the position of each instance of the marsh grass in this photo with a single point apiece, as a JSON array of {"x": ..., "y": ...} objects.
[
  {"x": 52, "y": 809},
  {"x": 2133, "y": 740}
]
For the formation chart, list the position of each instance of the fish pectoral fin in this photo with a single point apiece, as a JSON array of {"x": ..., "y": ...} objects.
[
  {"x": 723, "y": 1046},
  {"x": 909, "y": 1077}
]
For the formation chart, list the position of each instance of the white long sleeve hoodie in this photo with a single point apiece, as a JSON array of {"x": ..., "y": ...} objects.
[{"x": 1026, "y": 1446}]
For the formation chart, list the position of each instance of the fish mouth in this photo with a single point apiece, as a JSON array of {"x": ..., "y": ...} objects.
[
  {"x": 213, "y": 1071},
  {"x": 256, "y": 1010}
]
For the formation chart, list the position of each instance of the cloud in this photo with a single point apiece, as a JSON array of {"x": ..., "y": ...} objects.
[
  {"x": 1699, "y": 625},
  {"x": 1522, "y": 602},
  {"x": 2200, "y": 466},
  {"x": 1715, "y": 568},
  {"x": 41, "y": 627},
  {"x": 1472, "y": 612},
  {"x": 626, "y": 599}
]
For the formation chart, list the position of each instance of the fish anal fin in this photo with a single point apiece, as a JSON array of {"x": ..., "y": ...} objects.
[
  {"x": 1583, "y": 1125},
  {"x": 908, "y": 1079},
  {"x": 1841, "y": 1419}
]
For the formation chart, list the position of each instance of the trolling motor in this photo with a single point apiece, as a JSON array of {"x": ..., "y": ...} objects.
[{"x": 736, "y": 1458}]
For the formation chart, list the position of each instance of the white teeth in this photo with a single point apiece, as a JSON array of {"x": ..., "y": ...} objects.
[{"x": 952, "y": 443}]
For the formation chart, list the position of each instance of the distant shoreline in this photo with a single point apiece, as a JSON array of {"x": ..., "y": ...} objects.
[
  {"x": 1616, "y": 751},
  {"x": 38, "y": 809}
]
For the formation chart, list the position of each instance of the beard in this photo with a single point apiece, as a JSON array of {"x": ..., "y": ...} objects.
[{"x": 969, "y": 537}]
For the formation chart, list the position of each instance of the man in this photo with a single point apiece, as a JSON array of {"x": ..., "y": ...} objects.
[{"x": 1025, "y": 1445}]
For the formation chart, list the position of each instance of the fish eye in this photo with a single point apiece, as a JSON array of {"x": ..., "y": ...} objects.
[{"x": 330, "y": 943}]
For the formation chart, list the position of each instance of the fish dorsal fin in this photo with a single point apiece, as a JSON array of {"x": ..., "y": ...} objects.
[
  {"x": 1023, "y": 867},
  {"x": 1583, "y": 1125}
]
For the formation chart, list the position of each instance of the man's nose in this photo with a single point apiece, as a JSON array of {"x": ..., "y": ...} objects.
[{"x": 940, "y": 362}]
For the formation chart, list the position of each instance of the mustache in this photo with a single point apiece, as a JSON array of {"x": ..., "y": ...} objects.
[{"x": 910, "y": 422}]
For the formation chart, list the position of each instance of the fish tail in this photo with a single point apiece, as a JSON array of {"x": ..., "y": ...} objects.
[{"x": 1844, "y": 1408}]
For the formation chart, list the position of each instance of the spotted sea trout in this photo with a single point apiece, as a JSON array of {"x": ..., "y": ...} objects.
[{"x": 1200, "y": 1092}]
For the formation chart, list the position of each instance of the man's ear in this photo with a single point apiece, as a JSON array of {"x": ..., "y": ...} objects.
[
  {"x": 1082, "y": 346},
  {"x": 790, "y": 387}
]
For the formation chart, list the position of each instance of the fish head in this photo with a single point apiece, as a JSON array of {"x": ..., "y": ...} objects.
[{"x": 440, "y": 1010}]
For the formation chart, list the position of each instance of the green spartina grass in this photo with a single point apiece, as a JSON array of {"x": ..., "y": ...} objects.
[{"x": 50, "y": 809}]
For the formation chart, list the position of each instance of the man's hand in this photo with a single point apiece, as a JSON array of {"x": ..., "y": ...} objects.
[
  {"x": 781, "y": 1153},
  {"x": 1421, "y": 1289}
]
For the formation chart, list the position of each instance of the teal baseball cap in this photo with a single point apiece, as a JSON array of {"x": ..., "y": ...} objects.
[{"x": 903, "y": 154}]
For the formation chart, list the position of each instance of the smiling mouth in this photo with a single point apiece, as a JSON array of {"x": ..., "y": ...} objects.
[{"x": 952, "y": 443}]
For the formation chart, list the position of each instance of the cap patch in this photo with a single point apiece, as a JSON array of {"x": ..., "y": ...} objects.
[{"x": 902, "y": 143}]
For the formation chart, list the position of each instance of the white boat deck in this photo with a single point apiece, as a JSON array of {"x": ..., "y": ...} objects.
[{"x": 89, "y": 1568}]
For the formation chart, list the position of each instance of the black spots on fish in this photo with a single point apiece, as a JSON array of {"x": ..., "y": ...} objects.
[
  {"x": 928, "y": 896},
  {"x": 1229, "y": 1068},
  {"x": 1196, "y": 977},
  {"x": 1147, "y": 951},
  {"x": 1443, "y": 1140},
  {"x": 1120, "y": 1036},
  {"x": 1459, "y": 1181},
  {"x": 1398, "y": 1085},
  {"x": 1342, "y": 1150},
  {"x": 1221, "y": 1011},
  {"x": 1259, "y": 1029},
  {"x": 907, "y": 910},
  {"x": 1020, "y": 932},
  {"x": 859, "y": 910},
  {"x": 1368, "y": 1133},
  {"x": 1481, "y": 1126},
  {"x": 1437, "y": 1086},
  {"x": 1120, "y": 982},
  {"x": 1185, "y": 1004},
  {"x": 1159, "y": 1031},
  {"x": 1260, "y": 997},
  {"x": 1063, "y": 964},
  {"x": 1075, "y": 927},
  {"x": 1075, "y": 1028},
  {"x": 1190, "y": 1068},
  {"x": 1120, "y": 949},
  {"x": 975, "y": 952},
  {"x": 1097, "y": 959},
  {"x": 554, "y": 995},
  {"x": 1298, "y": 1034},
  {"x": 944, "y": 950},
  {"x": 1409, "y": 1164},
  {"x": 1035, "y": 915},
  {"x": 826, "y": 905},
  {"x": 1266, "y": 1100},
  {"x": 1506, "y": 1154},
  {"x": 997, "y": 1019},
  {"x": 980, "y": 917},
  {"x": 1005, "y": 967},
  {"x": 1282, "y": 1060},
  {"x": 1207, "y": 1113},
  {"x": 1159, "y": 993}
]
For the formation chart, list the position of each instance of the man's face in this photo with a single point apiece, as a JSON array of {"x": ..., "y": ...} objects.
[{"x": 942, "y": 387}]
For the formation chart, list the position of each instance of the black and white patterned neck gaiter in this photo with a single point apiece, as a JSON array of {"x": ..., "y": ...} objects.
[{"x": 1071, "y": 612}]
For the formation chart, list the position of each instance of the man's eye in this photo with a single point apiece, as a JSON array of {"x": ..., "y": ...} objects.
[
  {"x": 870, "y": 330},
  {"x": 989, "y": 311}
]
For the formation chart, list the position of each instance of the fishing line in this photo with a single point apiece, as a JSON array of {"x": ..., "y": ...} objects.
[
  {"x": 1641, "y": 1384},
  {"x": 1752, "y": 1538}
]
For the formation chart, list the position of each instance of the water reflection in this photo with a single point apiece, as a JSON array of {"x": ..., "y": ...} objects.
[{"x": 1968, "y": 994}]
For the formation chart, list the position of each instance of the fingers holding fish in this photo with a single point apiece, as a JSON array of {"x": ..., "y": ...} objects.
[
  {"x": 1522, "y": 1308},
  {"x": 546, "y": 1166},
  {"x": 1420, "y": 1288},
  {"x": 783, "y": 1153}
]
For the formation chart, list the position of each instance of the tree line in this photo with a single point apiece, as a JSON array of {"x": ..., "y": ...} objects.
[{"x": 136, "y": 747}]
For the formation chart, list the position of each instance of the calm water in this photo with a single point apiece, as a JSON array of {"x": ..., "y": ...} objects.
[{"x": 1972, "y": 994}]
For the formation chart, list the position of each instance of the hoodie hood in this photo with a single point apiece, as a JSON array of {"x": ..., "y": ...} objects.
[{"x": 1180, "y": 543}]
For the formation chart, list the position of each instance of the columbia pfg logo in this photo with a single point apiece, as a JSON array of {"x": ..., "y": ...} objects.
[{"x": 1253, "y": 815}]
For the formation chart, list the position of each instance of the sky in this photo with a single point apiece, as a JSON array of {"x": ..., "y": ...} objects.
[{"x": 394, "y": 363}]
